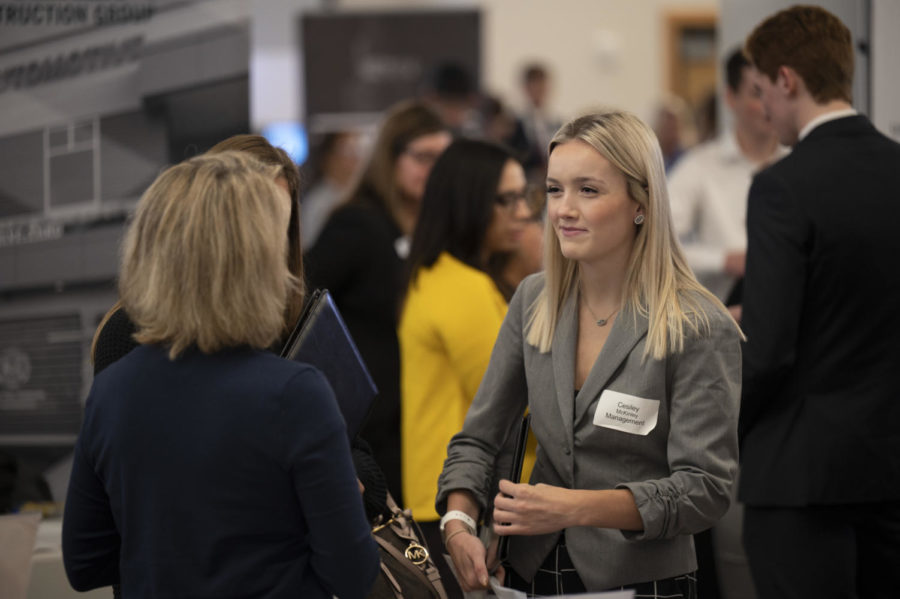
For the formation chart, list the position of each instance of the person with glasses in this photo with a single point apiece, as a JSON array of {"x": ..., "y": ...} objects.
[
  {"x": 508, "y": 269},
  {"x": 474, "y": 206},
  {"x": 359, "y": 258}
]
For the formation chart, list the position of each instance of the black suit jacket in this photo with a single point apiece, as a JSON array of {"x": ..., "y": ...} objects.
[
  {"x": 356, "y": 259},
  {"x": 820, "y": 414}
]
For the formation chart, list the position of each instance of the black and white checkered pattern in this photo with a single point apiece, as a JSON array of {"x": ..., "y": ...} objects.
[{"x": 557, "y": 576}]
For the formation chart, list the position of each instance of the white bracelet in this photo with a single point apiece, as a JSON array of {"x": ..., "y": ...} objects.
[{"x": 458, "y": 515}]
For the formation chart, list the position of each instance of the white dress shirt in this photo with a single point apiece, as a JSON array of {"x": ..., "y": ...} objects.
[
  {"x": 824, "y": 118},
  {"x": 708, "y": 195}
]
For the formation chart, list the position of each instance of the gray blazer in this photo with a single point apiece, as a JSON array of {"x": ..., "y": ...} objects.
[{"x": 680, "y": 471}]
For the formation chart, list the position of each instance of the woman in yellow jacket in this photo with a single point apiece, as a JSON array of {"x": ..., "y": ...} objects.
[{"x": 474, "y": 206}]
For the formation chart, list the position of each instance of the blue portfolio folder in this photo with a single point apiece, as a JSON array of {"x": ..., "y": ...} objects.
[{"x": 321, "y": 338}]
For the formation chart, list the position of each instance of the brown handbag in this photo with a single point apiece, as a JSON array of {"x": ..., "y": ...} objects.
[{"x": 407, "y": 569}]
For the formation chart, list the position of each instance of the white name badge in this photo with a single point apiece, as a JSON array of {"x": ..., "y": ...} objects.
[{"x": 626, "y": 413}]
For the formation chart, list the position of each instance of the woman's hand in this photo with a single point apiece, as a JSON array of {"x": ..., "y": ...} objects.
[
  {"x": 470, "y": 560},
  {"x": 494, "y": 567},
  {"x": 523, "y": 509},
  {"x": 539, "y": 509},
  {"x": 474, "y": 564}
]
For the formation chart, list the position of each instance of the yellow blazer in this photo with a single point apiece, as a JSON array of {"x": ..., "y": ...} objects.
[{"x": 447, "y": 330}]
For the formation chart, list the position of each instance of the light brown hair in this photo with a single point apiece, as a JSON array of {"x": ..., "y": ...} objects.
[
  {"x": 813, "y": 42},
  {"x": 260, "y": 148},
  {"x": 403, "y": 123},
  {"x": 205, "y": 259}
]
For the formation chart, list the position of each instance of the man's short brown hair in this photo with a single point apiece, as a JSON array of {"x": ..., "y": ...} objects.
[{"x": 813, "y": 42}]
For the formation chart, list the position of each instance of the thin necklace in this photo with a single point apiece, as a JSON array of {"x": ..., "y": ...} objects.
[{"x": 601, "y": 322}]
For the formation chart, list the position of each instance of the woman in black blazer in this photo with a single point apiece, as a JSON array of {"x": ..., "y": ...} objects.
[
  {"x": 359, "y": 258},
  {"x": 207, "y": 466}
]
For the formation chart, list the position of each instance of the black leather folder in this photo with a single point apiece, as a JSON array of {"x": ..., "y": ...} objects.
[
  {"x": 515, "y": 475},
  {"x": 321, "y": 338}
]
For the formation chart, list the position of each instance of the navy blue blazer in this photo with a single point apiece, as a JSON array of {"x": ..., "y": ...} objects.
[{"x": 225, "y": 475}]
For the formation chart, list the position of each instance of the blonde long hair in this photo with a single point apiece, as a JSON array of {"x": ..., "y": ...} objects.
[
  {"x": 205, "y": 260},
  {"x": 658, "y": 282}
]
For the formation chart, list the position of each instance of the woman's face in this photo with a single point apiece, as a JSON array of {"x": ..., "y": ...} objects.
[
  {"x": 588, "y": 205},
  {"x": 415, "y": 162},
  {"x": 531, "y": 249},
  {"x": 504, "y": 233}
]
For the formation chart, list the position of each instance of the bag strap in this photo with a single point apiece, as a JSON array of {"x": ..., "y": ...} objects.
[
  {"x": 434, "y": 576},
  {"x": 392, "y": 504},
  {"x": 395, "y": 586},
  {"x": 431, "y": 569},
  {"x": 403, "y": 560},
  {"x": 404, "y": 526}
]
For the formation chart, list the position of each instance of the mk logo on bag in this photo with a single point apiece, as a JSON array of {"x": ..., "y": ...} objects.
[
  {"x": 416, "y": 554},
  {"x": 407, "y": 569}
]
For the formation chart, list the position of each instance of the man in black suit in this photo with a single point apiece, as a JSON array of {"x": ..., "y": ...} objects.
[{"x": 820, "y": 414}]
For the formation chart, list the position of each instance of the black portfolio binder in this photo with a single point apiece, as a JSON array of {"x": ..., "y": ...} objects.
[
  {"x": 515, "y": 475},
  {"x": 321, "y": 338}
]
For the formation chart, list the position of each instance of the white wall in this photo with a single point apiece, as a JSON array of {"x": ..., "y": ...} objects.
[
  {"x": 601, "y": 52},
  {"x": 885, "y": 83},
  {"x": 276, "y": 70}
]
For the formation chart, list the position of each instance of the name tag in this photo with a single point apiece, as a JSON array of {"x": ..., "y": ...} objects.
[{"x": 626, "y": 413}]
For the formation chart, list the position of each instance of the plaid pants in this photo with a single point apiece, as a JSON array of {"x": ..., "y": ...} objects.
[{"x": 557, "y": 576}]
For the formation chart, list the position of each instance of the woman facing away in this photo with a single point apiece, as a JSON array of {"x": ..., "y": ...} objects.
[
  {"x": 113, "y": 338},
  {"x": 631, "y": 371},
  {"x": 207, "y": 466},
  {"x": 473, "y": 207},
  {"x": 359, "y": 258}
]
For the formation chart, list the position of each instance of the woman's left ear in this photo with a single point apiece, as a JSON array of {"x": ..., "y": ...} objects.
[{"x": 639, "y": 217}]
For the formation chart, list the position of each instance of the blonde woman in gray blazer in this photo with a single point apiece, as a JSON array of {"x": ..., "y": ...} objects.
[{"x": 631, "y": 371}]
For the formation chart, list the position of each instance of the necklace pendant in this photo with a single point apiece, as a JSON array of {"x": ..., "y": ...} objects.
[{"x": 602, "y": 322}]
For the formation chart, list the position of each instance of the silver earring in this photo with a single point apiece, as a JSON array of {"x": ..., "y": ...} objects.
[{"x": 639, "y": 219}]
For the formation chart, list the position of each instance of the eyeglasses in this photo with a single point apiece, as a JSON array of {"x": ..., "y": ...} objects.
[
  {"x": 511, "y": 199},
  {"x": 532, "y": 196}
]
